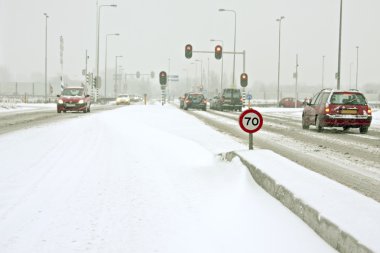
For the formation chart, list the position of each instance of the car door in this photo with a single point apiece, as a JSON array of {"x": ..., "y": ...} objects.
[{"x": 310, "y": 109}]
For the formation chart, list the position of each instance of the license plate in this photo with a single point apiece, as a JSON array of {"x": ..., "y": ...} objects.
[
  {"x": 70, "y": 105},
  {"x": 349, "y": 111}
]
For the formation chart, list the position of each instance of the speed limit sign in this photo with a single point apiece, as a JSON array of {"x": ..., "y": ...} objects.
[{"x": 251, "y": 121}]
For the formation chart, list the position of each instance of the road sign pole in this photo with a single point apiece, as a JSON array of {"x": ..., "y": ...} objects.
[{"x": 250, "y": 141}]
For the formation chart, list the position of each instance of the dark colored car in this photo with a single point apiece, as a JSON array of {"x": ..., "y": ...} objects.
[
  {"x": 335, "y": 108},
  {"x": 195, "y": 101},
  {"x": 289, "y": 103},
  {"x": 231, "y": 100},
  {"x": 73, "y": 99}
]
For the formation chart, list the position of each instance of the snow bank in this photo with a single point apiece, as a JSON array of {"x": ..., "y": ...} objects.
[{"x": 346, "y": 219}]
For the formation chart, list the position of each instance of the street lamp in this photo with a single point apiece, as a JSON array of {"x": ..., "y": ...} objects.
[
  {"x": 116, "y": 78},
  {"x": 98, "y": 7},
  {"x": 357, "y": 66},
  {"x": 46, "y": 17},
  {"x": 279, "y": 58},
  {"x": 197, "y": 60},
  {"x": 221, "y": 74},
  {"x": 323, "y": 70},
  {"x": 105, "y": 67},
  {"x": 233, "y": 71},
  {"x": 340, "y": 46}
]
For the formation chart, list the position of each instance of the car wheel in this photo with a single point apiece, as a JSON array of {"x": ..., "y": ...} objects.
[
  {"x": 304, "y": 124},
  {"x": 346, "y": 128},
  {"x": 85, "y": 110},
  {"x": 58, "y": 111},
  {"x": 88, "y": 109},
  {"x": 318, "y": 124},
  {"x": 64, "y": 111},
  {"x": 185, "y": 108},
  {"x": 363, "y": 130}
]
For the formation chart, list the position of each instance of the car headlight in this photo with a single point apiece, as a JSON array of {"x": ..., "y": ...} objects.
[
  {"x": 80, "y": 101},
  {"x": 60, "y": 101}
]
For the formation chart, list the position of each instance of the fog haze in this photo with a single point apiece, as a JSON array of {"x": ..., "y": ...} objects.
[{"x": 151, "y": 32}]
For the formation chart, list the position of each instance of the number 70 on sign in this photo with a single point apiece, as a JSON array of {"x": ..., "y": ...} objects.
[{"x": 251, "y": 121}]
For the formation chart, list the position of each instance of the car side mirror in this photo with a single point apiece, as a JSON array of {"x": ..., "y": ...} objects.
[
  {"x": 87, "y": 96},
  {"x": 58, "y": 96}
]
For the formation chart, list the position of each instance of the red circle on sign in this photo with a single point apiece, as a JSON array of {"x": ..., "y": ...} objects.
[{"x": 250, "y": 120}]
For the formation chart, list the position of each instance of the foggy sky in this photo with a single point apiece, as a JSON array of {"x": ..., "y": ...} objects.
[{"x": 154, "y": 31}]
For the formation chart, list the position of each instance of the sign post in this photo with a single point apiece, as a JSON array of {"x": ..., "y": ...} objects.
[{"x": 251, "y": 121}]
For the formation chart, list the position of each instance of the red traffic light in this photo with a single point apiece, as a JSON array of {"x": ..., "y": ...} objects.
[
  {"x": 244, "y": 80},
  {"x": 188, "y": 51},
  {"x": 163, "y": 78},
  {"x": 218, "y": 52}
]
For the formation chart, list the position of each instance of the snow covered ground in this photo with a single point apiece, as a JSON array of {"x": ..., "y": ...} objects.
[{"x": 137, "y": 179}]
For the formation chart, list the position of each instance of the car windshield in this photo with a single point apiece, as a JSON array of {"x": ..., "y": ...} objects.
[
  {"x": 348, "y": 99},
  {"x": 72, "y": 92}
]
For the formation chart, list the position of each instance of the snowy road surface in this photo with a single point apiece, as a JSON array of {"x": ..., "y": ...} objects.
[{"x": 136, "y": 179}]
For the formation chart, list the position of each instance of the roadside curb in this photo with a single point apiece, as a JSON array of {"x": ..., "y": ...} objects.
[{"x": 340, "y": 240}]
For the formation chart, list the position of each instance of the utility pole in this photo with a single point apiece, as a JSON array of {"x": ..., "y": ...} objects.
[
  {"x": 46, "y": 17},
  {"x": 296, "y": 77},
  {"x": 340, "y": 46},
  {"x": 357, "y": 66}
]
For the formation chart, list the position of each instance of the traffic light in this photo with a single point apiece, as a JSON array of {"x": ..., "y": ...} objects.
[
  {"x": 244, "y": 80},
  {"x": 163, "y": 78},
  {"x": 188, "y": 51},
  {"x": 218, "y": 52},
  {"x": 94, "y": 82},
  {"x": 138, "y": 74}
]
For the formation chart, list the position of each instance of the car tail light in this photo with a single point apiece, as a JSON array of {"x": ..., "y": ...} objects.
[
  {"x": 187, "y": 101},
  {"x": 369, "y": 110},
  {"x": 241, "y": 99},
  {"x": 327, "y": 109},
  {"x": 204, "y": 101}
]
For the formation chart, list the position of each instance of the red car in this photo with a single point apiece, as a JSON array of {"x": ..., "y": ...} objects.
[
  {"x": 289, "y": 103},
  {"x": 335, "y": 108},
  {"x": 73, "y": 99}
]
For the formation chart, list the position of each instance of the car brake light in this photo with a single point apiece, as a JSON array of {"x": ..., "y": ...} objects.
[{"x": 369, "y": 110}]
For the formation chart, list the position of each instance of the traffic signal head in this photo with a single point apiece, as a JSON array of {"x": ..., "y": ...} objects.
[
  {"x": 244, "y": 80},
  {"x": 218, "y": 52},
  {"x": 188, "y": 51},
  {"x": 163, "y": 78}
]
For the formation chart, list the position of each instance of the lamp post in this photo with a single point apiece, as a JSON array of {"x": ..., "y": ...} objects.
[
  {"x": 279, "y": 57},
  {"x": 351, "y": 74},
  {"x": 98, "y": 8},
  {"x": 233, "y": 71},
  {"x": 116, "y": 78},
  {"x": 323, "y": 70},
  {"x": 340, "y": 46},
  {"x": 46, "y": 17},
  {"x": 357, "y": 67},
  {"x": 221, "y": 74},
  {"x": 197, "y": 60},
  {"x": 105, "y": 63}
]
